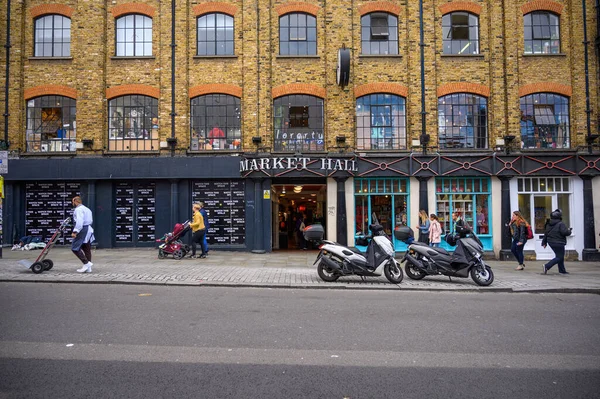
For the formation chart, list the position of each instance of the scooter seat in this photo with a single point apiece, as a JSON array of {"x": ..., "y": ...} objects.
[
  {"x": 440, "y": 250},
  {"x": 356, "y": 251}
]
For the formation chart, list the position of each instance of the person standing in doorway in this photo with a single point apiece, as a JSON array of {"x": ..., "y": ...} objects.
[
  {"x": 435, "y": 231},
  {"x": 518, "y": 232},
  {"x": 83, "y": 235},
  {"x": 424, "y": 224},
  {"x": 300, "y": 231},
  {"x": 198, "y": 231},
  {"x": 555, "y": 235},
  {"x": 206, "y": 225}
]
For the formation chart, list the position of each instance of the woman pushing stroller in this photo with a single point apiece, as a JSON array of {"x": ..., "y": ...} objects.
[{"x": 198, "y": 231}]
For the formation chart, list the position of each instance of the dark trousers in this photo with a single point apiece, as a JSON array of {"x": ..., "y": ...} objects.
[
  {"x": 424, "y": 238},
  {"x": 559, "y": 258},
  {"x": 517, "y": 251},
  {"x": 85, "y": 253},
  {"x": 198, "y": 238}
]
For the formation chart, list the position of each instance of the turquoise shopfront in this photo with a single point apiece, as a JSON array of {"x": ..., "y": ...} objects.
[
  {"x": 388, "y": 198},
  {"x": 470, "y": 198}
]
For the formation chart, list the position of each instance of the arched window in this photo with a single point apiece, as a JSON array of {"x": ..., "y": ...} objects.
[
  {"x": 381, "y": 122},
  {"x": 134, "y": 36},
  {"x": 545, "y": 121},
  {"x": 215, "y": 122},
  {"x": 133, "y": 123},
  {"x": 542, "y": 33},
  {"x": 52, "y": 36},
  {"x": 297, "y": 34},
  {"x": 215, "y": 34},
  {"x": 379, "y": 33},
  {"x": 460, "y": 33},
  {"x": 50, "y": 124},
  {"x": 462, "y": 121},
  {"x": 298, "y": 123}
]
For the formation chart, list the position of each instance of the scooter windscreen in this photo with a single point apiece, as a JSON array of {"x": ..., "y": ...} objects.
[{"x": 375, "y": 227}]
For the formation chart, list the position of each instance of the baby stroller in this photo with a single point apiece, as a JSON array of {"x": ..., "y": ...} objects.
[{"x": 171, "y": 243}]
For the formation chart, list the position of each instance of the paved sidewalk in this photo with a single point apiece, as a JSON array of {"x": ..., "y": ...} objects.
[{"x": 282, "y": 269}]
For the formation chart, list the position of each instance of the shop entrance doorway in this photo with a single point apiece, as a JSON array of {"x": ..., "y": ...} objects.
[{"x": 295, "y": 203}]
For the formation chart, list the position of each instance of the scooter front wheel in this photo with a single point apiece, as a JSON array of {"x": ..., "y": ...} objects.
[
  {"x": 483, "y": 277},
  {"x": 393, "y": 272},
  {"x": 326, "y": 274}
]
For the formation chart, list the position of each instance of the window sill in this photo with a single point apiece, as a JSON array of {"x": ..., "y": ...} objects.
[
  {"x": 127, "y": 153},
  {"x": 545, "y": 55},
  {"x": 50, "y": 58},
  {"x": 379, "y": 56},
  {"x": 120, "y": 57},
  {"x": 48, "y": 153},
  {"x": 200, "y": 57},
  {"x": 215, "y": 152},
  {"x": 297, "y": 56},
  {"x": 462, "y": 55}
]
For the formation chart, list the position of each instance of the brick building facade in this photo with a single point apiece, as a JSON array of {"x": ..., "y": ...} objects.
[{"x": 493, "y": 70}]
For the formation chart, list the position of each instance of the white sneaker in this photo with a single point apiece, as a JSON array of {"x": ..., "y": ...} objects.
[{"x": 87, "y": 268}]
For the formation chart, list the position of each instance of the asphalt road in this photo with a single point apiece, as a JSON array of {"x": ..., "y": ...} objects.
[{"x": 84, "y": 341}]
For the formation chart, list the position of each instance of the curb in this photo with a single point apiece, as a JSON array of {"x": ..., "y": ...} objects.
[{"x": 325, "y": 286}]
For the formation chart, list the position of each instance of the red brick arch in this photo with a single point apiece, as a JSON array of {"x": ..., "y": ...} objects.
[
  {"x": 463, "y": 87},
  {"x": 373, "y": 88},
  {"x": 542, "y": 5},
  {"x": 50, "y": 90},
  {"x": 298, "y": 88},
  {"x": 123, "y": 90},
  {"x": 216, "y": 88},
  {"x": 45, "y": 9},
  {"x": 545, "y": 87},
  {"x": 297, "y": 6},
  {"x": 379, "y": 6},
  {"x": 133, "y": 8},
  {"x": 468, "y": 6},
  {"x": 216, "y": 6}
]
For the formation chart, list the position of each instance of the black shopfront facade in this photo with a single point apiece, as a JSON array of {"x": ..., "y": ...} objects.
[{"x": 135, "y": 200}]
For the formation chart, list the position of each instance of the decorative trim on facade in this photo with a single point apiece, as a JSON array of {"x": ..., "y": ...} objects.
[
  {"x": 297, "y": 6},
  {"x": 372, "y": 88},
  {"x": 542, "y": 5},
  {"x": 216, "y": 88},
  {"x": 463, "y": 87},
  {"x": 546, "y": 87},
  {"x": 133, "y": 8},
  {"x": 468, "y": 6},
  {"x": 298, "y": 88},
  {"x": 217, "y": 6},
  {"x": 382, "y": 6},
  {"x": 50, "y": 90},
  {"x": 123, "y": 90},
  {"x": 45, "y": 9}
]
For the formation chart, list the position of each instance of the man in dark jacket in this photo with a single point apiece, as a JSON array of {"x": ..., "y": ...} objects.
[
  {"x": 206, "y": 224},
  {"x": 555, "y": 235}
]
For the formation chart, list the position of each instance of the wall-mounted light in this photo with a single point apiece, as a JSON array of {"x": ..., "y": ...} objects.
[
  {"x": 256, "y": 140},
  {"x": 87, "y": 143},
  {"x": 340, "y": 140},
  {"x": 508, "y": 139}
]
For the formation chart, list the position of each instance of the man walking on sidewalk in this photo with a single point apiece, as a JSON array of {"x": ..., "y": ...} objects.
[{"x": 83, "y": 235}]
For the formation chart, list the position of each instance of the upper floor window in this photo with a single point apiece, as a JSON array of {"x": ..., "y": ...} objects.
[
  {"x": 215, "y": 34},
  {"x": 298, "y": 123},
  {"x": 379, "y": 33},
  {"x": 50, "y": 124},
  {"x": 545, "y": 121},
  {"x": 542, "y": 33},
  {"x": 297, "y": 34},
  {"x": 133, "y": 123},
  {"x": 462, "y": 121},
  {"x": 134, "y": 36},
  {"x": 460, "y": 33},
  {"x": 381, "y": 122},
  {"x": 216, "y": 122},
  {"x": 52, "y": 37}
]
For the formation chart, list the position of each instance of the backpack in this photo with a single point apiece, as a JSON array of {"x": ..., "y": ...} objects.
[
  {"x": 529, "y": 232},
  {"x": 302, "y": 226}
]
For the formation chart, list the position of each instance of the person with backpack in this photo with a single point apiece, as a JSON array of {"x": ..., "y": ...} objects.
[
  {"x": 435, "y": 231},
  {"x": 518, "y": 231},
  {"x": 555, "y": 235}
]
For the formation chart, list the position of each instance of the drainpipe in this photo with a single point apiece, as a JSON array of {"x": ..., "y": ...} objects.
[
  {"x": 423, "y": 113},
  {"x": 588, "y": 110},
  {"x": 173, "y": 46},
  {"x": 7, "y": 46}
]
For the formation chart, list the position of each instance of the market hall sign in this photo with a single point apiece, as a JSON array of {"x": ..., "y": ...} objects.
[{"x": 298, "y": 163}]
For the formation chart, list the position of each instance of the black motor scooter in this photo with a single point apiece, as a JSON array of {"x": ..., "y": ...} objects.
[{"x": 423, "y": 260}]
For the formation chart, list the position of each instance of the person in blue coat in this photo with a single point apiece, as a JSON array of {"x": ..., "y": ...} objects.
[{"x": 207, "y": 225}]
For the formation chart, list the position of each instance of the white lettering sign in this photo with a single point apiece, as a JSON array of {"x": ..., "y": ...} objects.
[{"x": 299, "y": 163}]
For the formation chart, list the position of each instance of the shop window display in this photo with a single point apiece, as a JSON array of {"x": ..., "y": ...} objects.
[{"x": 470, "y": 199}]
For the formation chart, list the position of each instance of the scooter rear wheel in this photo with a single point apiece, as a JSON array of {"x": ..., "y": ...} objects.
[
  {"x": 414, "y": 272},
  {"x": 325, "y": 273},
  {"x": 393, "y": 272}
]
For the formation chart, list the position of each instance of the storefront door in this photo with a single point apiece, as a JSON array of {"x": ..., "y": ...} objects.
[
  {"x": 134, "y": 214},
  {"x": 542, "y": 207}
]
